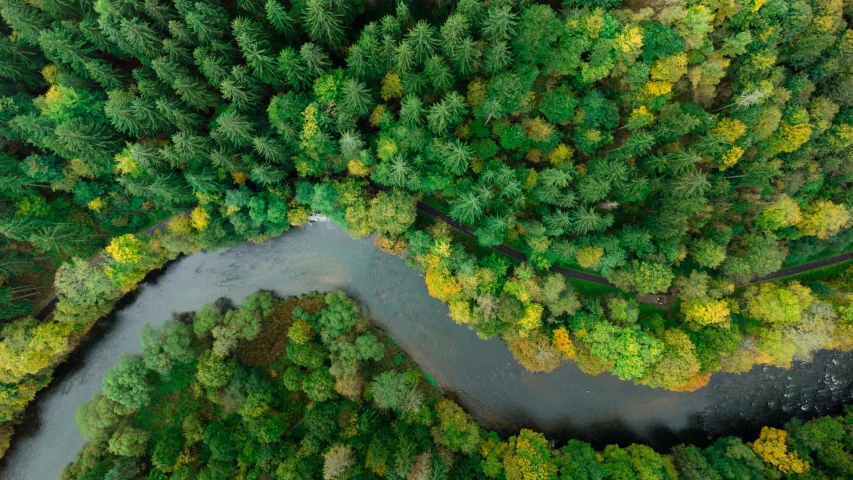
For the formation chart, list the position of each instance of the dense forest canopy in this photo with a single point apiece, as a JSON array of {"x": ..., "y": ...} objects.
[
  {"x": 306, "y": 389},
  {"x": 676, "y": 146}
]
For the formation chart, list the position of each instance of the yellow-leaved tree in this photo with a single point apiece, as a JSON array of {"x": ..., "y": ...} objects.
[
  {"x": 824, "y": 219},
  {"x": 771, "y": 446},
  {"x": 126, "y": 249}
]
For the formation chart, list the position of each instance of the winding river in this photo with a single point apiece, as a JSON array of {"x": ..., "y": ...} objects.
[{"x": 481, "y": 375}]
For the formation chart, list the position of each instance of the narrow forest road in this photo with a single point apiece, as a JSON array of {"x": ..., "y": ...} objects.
[
  {"x": 506, "y": 250},
  {"x": 805, "y": 267},
  {"x": 590, "y": 277},
  {"x": 48, "y": 304}
]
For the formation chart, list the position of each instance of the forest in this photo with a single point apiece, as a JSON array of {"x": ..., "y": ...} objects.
[
  {"x": 306, "y": 388},
  {"x": 678, "y": 147}
]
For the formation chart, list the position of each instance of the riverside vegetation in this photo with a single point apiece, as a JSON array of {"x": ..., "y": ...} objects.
[
  {"x": 668, "y": 145},
  {"x": 306, "y": 388}
]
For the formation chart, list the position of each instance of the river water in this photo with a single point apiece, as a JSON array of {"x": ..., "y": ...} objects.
[{"x": 481, "y": 375}]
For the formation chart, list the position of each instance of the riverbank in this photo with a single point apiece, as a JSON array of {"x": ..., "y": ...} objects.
[
  {"x": 389, "y": 412},
  {"x": 481, "y": 375}
]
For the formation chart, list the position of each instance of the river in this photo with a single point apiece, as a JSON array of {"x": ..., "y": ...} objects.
[{"x": 481, "y": 375}]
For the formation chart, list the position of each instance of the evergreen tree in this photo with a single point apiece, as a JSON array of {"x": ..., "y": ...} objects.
[
  {"x": 324, "y": 22},
  {"x": 279, "y": 18},
  {"x": 234, "y": 128},
  {"x": 499, "y": 24}
]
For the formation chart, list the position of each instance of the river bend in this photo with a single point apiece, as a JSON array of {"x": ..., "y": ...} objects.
[{"x": 482, "y": 375}]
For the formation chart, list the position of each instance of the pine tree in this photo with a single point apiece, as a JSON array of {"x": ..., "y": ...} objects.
[
  {"x": 167, "y": 191},
  {"x": 351, "y": 144},
  {"x": 63, "y": 238},
  {"x": 17, "y": 227},
  {"x": 26, "y": 20},
  {"x": 357, "y": 61},
  {"x": 438, "y": 73},
  {"x": 355, "y": 99},
  {"x": 93, "y": 142},
  {"x": 167, "y": 69},
  {"x": 161, "y": 12},
  {"x": 558, "y": 222},
  {"x": 241, "y": 89},
  {"x": 62, "y": 45},
  {"x": 456, "y": 106},
  {"x": 106, "y": 75},
  {"x": 203, "y": 181},
  {"x": 323, "y": 23},
  {"x": 20, "y": 62},
  {"x": 439, "y": 118},
  {"x": 467, "y": 208},
  {"x": 690, "y": 184},
  {"x": 293, "y": 67},
  {"x": 146, "y": 155},
  {"x": 499, "y": 24},
  {"x": 456, "y": 156},
  {"x": 269, "y": 148},
  {"x": 473, "y": 11},
  {"x": 497, "y": 58},
  {"x": 586, "y": 220},
  {"x": 266, "y": 174},
  {"x": 411, "y": 111},
  {"x": 215, "y": 68},
  {"x": 207, "y": 22},
  {"x": 455, "y": 28},
  {"x": 493, "y": 231},
  {"x": 422, "y": 39},
  {"x": 176, "y": 51},
  {"x": 404, "y": 58},
  {"x": 234, "y": 128},
  {"x": 467, "y": 56},
  {"x": 62, "y": 9},
  {"x": 315, "y": 59},
  {"x": 279, "y": 18},
  {"x": 256, "y": 47},
  {"x": 180, "y": 32},
  {"x": 398, "y": 172},
  {"x": 140, "y": 39},
  {"x": 227, "y": 159},
  {"x": 175, "y": 112},
  {"x": 119, "y": 111},
  {"x": 193, "y": 149},
  {"x": 194, "y": 92}
]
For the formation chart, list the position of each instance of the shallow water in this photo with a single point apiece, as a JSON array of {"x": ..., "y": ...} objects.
[{"x": 482, "y": 375}]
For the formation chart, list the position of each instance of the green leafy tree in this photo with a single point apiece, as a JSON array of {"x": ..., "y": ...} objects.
[
  {"x": 455, "y": 429},
  {"x": 163, "y": 347},
  {"x": 128, "y": 383},
  {"x": 389, "y": 390}
]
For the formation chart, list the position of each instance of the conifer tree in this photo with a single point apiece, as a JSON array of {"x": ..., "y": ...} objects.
[
  {"x": 499, "y": 24},
  {"x": 324, "y": 22},
  {"x": 279, "y": 18},
  {"x": 293, "y": 67},
  {"x": 422, "y": 38},
  {"x": 194, "y": 92},
  {"x": 26, "y": 20},
  {"x": 234, "y": 128},
  {"x": 315, "y": 59},
  {"x": 355, "y": 98}
]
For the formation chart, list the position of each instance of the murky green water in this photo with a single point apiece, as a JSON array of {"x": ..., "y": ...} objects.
[{"x": 482, "y": 375}]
